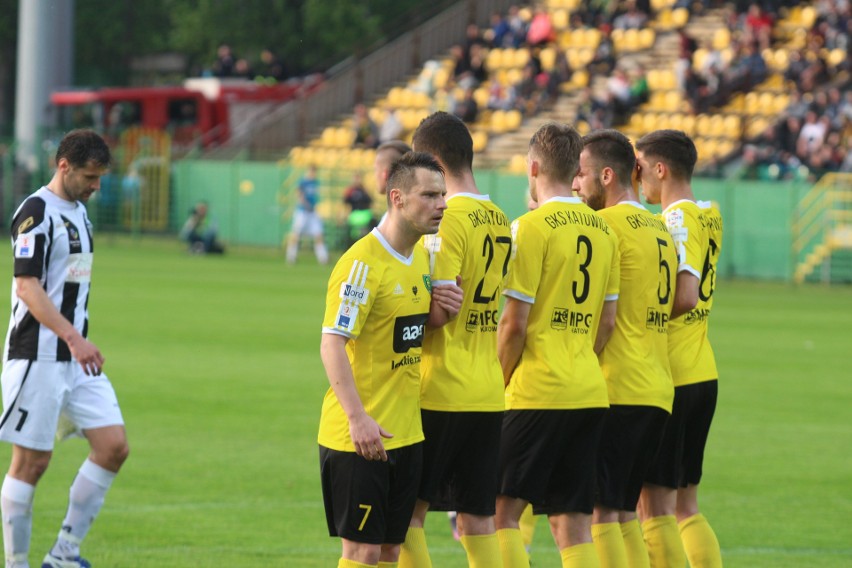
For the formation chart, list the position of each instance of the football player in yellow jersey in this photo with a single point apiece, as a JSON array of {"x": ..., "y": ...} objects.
[
  {"x": 377, "y": 305},
  {"x": 563, "y": 270},
  {"x": 669, "y": 502},
  {"x": 462, "y": 390},
  {"x": 635, "y": 360}
]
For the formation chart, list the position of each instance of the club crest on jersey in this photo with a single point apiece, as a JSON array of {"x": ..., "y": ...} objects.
[
  {"x": 427, "y": 281},
  {"x": 24, "y": 246},
  {"x": 355, "y": 294}
]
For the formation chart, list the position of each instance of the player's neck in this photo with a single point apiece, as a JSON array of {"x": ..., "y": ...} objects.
[
  {"x": 675, "y": 192},
  {"x": 620, "y": 195},
  {"x": 460, "y": 184},
  {"x": 55, "y": 187},
  {"x": 399, "y": 236},
  {"x": 546, "y": 190}
]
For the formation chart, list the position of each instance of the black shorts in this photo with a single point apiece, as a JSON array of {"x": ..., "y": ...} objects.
[
  {"x": 681, "y": 455},
  {"x": 370, "y": 501},
  {"x": 460, "y": 461},
  {"x": 630, "y": 440},
  {"x": 549, "y": 458}
]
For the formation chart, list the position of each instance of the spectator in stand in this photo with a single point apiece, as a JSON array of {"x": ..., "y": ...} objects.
[
  {"x": 811, "y": 136},
  {"x": 243, "y": 70},
  {"x": 359, "y": 222},
  {"x": 528, "y": 96},
  {"x": 366, "y": 131},
  {"x": 272, "y": 67},
  {"x": 500, "y": 97},
  {"x": 500, "y": 33},
  {"x": 618, "y": 86},
  {"x": 225, "y": 61},
  {"x": 541, "y": 30},
  {"x": 467, "y": 109},
  {"x": 473, "y": 38},
  {"x": 518, "y": 26},
  {"x": 631, "y": 19},
  {"x": 603, "y": 61},
  {"x": 757, "y": 26},
  {"x": 444, "y": 100},
  {"x": 561, "y": 73},
  {"x": 391, "y": 128}
]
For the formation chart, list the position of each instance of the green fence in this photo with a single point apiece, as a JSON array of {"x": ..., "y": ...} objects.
[{"x": 253, "y": 202}]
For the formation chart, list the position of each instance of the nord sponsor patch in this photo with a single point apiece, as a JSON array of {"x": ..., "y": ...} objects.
[{"x": 355, "y": 294}]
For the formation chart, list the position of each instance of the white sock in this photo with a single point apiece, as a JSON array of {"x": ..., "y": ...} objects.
[
  {"x": 84, "y": 503},
  {"x": 321, "y": 252},
  {"x": 292, "y": 251},
  {"x": 16, "y": 503}
]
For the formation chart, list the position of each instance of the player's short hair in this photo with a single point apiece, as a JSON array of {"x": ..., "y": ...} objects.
[
  {"x": 447, "y": 138},
  {"x": 672, "y": 147},
  {"x": 397, "y": 146},
  {"x": 403, "y": 174},
  {"x": 557, "y": 149},
  {"x": 82, "y": 146},
  {"x": 610, "y": 148}
]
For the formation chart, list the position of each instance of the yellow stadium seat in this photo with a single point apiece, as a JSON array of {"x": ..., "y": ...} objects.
[
  {"x": 480, "y": 140},
  {"x": 702, "y": 125},
  {"x": 721, "y": 38},
  {"x": 547, "y": 58},
  {"x": 580, "y": 78},
  {"x": 808, "y": 17},
  {"x": 494, "y": 59},
  {"x": 688, "y": 124},
  {"x": 647, "y": 37},
  {"x": 649, "y": 122},
  {"x": 395, "y": 96},
  {"x": 518, "y": 164},
  {"x": 513, "y": 120},
  {"x": 664, "y": 19},
  {"x": 498, "y": 122},
  {"x": 480, "y": 95},
  {"x": 520, "y": 58},
  {"x": 560, "y": 19},
  {"x": 732, "y": 127},
  {"x": 680, "y": 16}
]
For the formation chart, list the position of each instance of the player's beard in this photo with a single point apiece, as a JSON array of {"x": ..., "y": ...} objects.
[{"x": 597, "y": 199}]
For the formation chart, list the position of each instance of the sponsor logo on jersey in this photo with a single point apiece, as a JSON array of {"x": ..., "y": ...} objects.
[
  {"x": 563, "y": 318},
  {"x": 355, "y": 294},
  {"x": 346, "y": 316},
  {"x": 696, "y": 316},
  {"x": 655, "y": 319},
  {"x": 404, "y": 361},
  {"x": 674, "y": 218},
  {"x": 26, "y": 224},
  {"x": 408, "y": 332},
  {"x": 74, "y": 243},
  {"x": 24, "y": 246},
  {"x": 482, "y": 321}
]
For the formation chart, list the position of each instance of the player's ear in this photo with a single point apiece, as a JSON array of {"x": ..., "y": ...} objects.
[
  {"x": 395, "y": 195},
  {"x": 606, "y": 175}
]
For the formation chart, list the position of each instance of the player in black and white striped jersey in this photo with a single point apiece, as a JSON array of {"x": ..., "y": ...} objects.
[{"x": 50, "y": 368}]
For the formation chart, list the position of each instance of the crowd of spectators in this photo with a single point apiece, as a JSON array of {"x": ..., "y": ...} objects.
[{"x": 269, "y": 67}]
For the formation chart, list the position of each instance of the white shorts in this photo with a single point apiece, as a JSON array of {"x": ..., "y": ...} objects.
[
  {"x": 35, "y": 393},
  {"x": 306, "y": 223}
]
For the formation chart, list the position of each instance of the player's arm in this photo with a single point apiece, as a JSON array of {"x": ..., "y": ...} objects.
[
  {"x": 365, "y": 432},
  {"x": 606, "y": 326},
  {"x": 512, "y": 334},
  {"x": 31, "y": 292},
  {"x": 686, "y": 293},
  {"x": 446, "y": 303}
]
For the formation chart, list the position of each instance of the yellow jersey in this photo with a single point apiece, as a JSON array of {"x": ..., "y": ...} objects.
[
  {"x": 460, "y": 370},
  {"x": 565, "y": 263},
  {"x": 690, "y": 354},
  {"x": 635, "y": 361},
  {"x": 380, "y": 300}
]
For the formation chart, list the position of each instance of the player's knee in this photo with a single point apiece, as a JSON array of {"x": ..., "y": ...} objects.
[{"x": 30, "y": 468}]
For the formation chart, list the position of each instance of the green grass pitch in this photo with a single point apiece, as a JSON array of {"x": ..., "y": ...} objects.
[{"x": 217, "y": 368}]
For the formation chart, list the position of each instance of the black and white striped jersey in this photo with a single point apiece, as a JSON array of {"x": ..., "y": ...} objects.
[{"x": 52, "y": 241}]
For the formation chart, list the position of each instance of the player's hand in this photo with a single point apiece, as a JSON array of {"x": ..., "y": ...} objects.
[
  {"x": 449, "y": 297},
  {"x": 87, "y": 355},
  {"x": 367, "y": 436}
]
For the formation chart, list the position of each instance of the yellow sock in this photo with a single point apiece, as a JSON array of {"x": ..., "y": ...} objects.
[
  {"x": 527, "y": 524},
  {"x": 483, "y": 550},
  {"x": 580, "y": 556},
  {"x": 610, "y": 545},
  {"x": 388, "y": 565},
  {"x": 414, "y": 553},
  {"x": 637, "y": 553},
  {"x": 663, "y": 542},
  {"x": 344, "y": 563},
  {"x": 512, "y": 549},
  {"x": 700, "y": 542}
]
